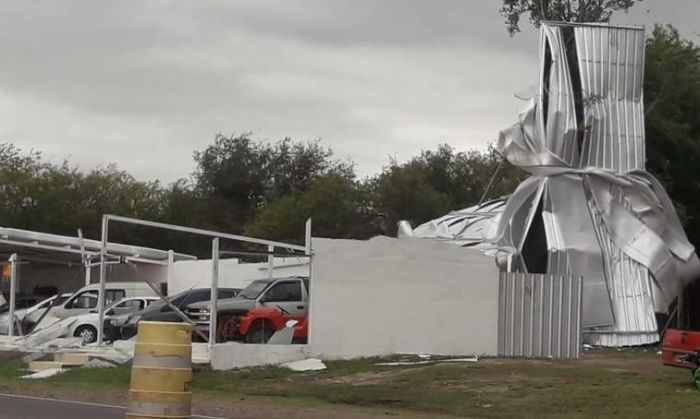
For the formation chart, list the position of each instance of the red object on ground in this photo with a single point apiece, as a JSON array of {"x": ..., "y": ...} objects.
[{"x": 678, "y": 343}]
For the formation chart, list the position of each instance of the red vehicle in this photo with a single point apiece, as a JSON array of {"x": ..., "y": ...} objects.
[
  {"x": 678, "y": 344},
  {"x": 259, "y": 324}
]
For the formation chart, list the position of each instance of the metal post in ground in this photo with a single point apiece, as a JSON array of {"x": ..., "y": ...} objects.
[
  {"x": 103, "y": 274},
  {"x": 13, "y": 291},
  {"x": 213, "y": 312},
  {"x": 270, "y": 261}
]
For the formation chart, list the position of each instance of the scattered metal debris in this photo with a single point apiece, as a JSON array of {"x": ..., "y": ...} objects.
[{"x": 310, "y": 364}]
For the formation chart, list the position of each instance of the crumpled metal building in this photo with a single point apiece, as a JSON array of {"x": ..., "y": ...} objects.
[{"x": 589, "y": 207}]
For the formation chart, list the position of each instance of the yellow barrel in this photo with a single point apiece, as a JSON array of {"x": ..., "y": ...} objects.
[{"x": 161, "y": 375}]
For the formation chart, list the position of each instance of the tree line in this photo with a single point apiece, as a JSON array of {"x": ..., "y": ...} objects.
[{"x": 250, "y": 187}]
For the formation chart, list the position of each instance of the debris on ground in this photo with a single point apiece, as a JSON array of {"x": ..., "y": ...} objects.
[
  {"x": 310, "y": 364},
  {"x": 43, "y": 374},
  {"x": 426, "y": 360},
  {"x": 403, "y": 363},
  {"x": 470, "y": 359},
  {"x": 100, "y": 363}
]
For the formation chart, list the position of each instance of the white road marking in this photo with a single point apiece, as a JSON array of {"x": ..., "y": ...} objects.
[{"x": 46, "y": 399}]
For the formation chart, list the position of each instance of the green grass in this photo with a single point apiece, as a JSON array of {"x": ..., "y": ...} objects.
[{"x": 601, "y": 384}]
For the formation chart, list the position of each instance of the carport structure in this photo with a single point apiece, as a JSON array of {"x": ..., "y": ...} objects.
[
  {"x": 24, "y": 246},
  {"x": 272, "y": 249}
]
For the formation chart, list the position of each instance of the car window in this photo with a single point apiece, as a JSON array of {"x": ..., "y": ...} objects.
[
  {"x": 196, "y": 297},
  {"x": 284, "y": 291},
  {"x": 60, "y": 300},
  {"x": 227, "y": 293},
  {"x": 44, "y": 304},
  {"x": 177, "y": 302},
  {"x": 129, "y": 305},
  {"x": 254, "y": 289},
  {"x": 149, "y": 302},
  {"x": 112, "y": 296},
  {"x": 86, "y": 299}
]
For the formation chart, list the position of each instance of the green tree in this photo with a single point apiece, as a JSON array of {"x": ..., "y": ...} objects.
[
  {"x": 337, "y": 205},
  {"x": 436, "y": 182},
  {"x": 672, "y": 96},
  {"x": 239, "y": 176},
  {"x": 560, "y": 10},
  {"x": 58, "y": 198}
]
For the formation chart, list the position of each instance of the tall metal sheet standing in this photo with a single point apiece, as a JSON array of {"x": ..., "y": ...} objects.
[
  {"x": 611, "y": 63},
  {"x": 539, "y": 316}
]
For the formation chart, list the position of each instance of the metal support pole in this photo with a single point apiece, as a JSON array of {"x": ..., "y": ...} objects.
[
  {"x": 171, "y": 262},
  {"x": 270, "y": 261},
  {"x": 214, "y": 291},
  {"x": 307, "y": 238},
  {"x": 307, "y": 251},
  {"x": 88, "y": 273},
  {"x": 307, "y": 244},
  {"x": 103, "y": 274},
  {"x": 13, "y": 291}
]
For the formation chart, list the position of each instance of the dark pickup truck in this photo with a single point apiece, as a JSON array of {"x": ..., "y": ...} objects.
[{"x": 161, "y": 312}]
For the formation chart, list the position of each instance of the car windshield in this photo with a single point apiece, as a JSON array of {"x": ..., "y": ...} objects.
[
  {"x": 253, "y": 290},
  {"x": 62, "y": 299}
]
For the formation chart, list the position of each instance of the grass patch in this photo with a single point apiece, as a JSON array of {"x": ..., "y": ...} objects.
[{"x": 601, "y": 384}]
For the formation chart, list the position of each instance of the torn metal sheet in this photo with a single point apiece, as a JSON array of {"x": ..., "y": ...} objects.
[
  {"x": 611, "y": 63},
  {"x": 466, "y": 228}
]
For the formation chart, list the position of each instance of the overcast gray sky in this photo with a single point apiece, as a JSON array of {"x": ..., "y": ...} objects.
[{"x": 144, "y": 83}]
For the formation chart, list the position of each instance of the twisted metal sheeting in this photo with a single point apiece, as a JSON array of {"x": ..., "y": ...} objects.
[{"x": 604, "y": 216}]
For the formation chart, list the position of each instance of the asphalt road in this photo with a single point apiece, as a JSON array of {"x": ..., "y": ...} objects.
[{"x": 24, "y": 407}]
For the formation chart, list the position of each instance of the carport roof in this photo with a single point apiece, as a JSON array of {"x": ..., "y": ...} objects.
[{"x": 54, "y": 248}]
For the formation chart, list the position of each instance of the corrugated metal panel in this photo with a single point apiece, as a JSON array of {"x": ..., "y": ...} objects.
[
  {"x": 539, "y": 316},
  {"x": 611, "y": 62},
  {"x": 558, "y": 128},
  {"x": 630, "y": 289}
]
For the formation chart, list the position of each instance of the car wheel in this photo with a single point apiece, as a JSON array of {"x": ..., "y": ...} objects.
[
  {"x": 87, "y": 333},
  {"x": 227, "y": 326},
  {"x": 260, "y": 332}
]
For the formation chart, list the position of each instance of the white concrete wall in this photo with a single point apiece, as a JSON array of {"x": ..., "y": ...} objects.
[
  {"x": 197, "y": 274},
  {"x": 386, "y": 296}
]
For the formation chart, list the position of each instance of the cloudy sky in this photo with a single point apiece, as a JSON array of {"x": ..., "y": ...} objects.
[{"x": 144, "y": 83}]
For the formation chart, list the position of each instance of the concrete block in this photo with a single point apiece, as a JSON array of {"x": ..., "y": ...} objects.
[
  {"x": 232, "y": 355},
  {"x": 36, "y": 366},
  {"x": 67, "y": 358}
]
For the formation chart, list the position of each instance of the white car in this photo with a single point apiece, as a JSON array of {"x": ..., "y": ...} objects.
[
  {"x": 85, "y": 299},
  {"x": 85, "y": 325},
  {"x": 29, "y": 316}
]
